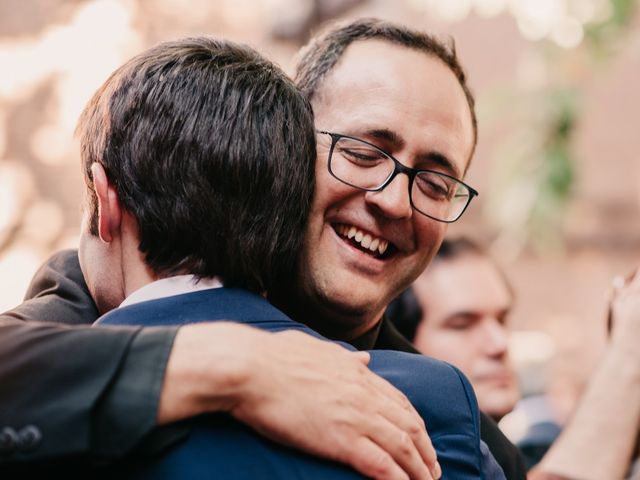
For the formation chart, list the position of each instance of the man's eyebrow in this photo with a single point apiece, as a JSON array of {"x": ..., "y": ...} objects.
[
  {"x": 463, "y": 314},
  {"x": 440, "y": 160},
  {"x": 397, "y": 142},
  {"x": 388, "y": 135}
]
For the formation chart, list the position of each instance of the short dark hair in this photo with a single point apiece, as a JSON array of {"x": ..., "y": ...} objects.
[
  {"x": 322, "y": 53},
  {"x": 211, "y": 148},
  {"x": 405, "y": 312}
]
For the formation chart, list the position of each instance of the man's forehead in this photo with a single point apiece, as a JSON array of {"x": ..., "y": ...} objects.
[
  {"x": 369, "y": 55},
  {"x": 369, "y": 64},
  {"x": 469, "y": 282},
  {"x": 383, "y": 91}
]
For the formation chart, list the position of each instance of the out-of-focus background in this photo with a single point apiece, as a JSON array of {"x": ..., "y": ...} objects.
[{"x": 558, "y": 90}]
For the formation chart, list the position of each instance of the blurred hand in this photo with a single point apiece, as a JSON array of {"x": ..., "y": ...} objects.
[
  {"x": 625, "y": 312},
  {"x": 299, "y": 391}
]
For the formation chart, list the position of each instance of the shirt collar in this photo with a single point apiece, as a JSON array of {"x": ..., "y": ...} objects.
[
  {"x": 367, "y": 340},
  {"x": 168, "y": 287}
]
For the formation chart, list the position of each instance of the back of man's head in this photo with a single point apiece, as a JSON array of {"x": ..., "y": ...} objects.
[{"x": 211, "y": 148}]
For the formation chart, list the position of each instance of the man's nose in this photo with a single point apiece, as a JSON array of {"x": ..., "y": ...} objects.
[
  {"x": 496, "y": 337},
  {"x": 393, "y": 201}
]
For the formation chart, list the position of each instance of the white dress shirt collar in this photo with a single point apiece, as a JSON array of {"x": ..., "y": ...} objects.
[{"x": 167, "y": 287}]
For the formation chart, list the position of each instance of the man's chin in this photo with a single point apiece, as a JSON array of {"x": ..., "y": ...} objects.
[
  {"x": 498, "y": 404},
  {"x": 345, "y": 314}
]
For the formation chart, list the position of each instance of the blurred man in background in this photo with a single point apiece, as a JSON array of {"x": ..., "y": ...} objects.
[
  {"x": 461, "y": 307},
  {"x": 458, "y": 310}
]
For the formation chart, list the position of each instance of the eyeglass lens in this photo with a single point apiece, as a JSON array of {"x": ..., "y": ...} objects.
[{"x": 364, "y": 166}]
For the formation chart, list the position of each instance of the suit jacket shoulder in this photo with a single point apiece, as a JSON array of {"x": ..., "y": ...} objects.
[
  {"x": 445, "y": 400},
  {"x": 58, "y": 293},
  {"x": 439, "y": 391},
  {"x": 506, "y": 454}
]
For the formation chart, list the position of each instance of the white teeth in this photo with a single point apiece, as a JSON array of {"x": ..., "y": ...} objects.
[{"x": 364, "y": 239}]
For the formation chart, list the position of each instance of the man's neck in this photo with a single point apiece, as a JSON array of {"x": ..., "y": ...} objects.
[
  {"x": 369, "y": 339},
  {"x": 325, "y": 318},
  {"x": 135, "y": 271}
]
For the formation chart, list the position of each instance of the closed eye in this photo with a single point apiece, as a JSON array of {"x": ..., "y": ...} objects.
[
  {"x": 461, "y": 321},
  {"x": 361, "y": 156},
  {"x": 435, "y": 186}
]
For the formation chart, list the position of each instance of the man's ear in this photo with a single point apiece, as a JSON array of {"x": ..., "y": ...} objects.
[{"x": 109, "y": 210}]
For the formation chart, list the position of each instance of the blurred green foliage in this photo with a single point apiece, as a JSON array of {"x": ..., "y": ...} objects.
[{"x": 535, "y": 168}]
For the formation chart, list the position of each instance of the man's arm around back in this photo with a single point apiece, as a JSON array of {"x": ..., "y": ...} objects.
[{"x": 294, "y": 389}]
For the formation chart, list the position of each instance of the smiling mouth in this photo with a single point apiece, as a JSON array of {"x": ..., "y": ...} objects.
[
  {"x": 502, "y": 378},
  {"x": 365, "y": 242}
]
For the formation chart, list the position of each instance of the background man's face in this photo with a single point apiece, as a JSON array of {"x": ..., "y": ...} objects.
[
  {"x": 465, "y": 305},
  {"x": 411, "y": 105}
]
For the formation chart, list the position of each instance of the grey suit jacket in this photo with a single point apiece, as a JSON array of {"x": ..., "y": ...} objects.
[{"x": 62, "y": 389}]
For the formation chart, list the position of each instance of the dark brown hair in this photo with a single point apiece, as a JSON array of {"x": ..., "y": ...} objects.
[
  {"x": 405, "y": 311},
  {"x": 322, "y": 53},
  {"x": 211, "y": 148}
]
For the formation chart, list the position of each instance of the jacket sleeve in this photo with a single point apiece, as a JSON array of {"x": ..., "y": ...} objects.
[
  {"x": 75, "y": 390},
  {"x": 58, "y": 293},
  {"x": 506, "y": 454}
]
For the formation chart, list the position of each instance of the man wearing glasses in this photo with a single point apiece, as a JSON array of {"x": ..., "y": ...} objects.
[
  {"x": 396, "y": 132},
  {"x": 374, "y": 222},
  {"x": 363, "y": 165},
  {"x": 402, "y": 132}
]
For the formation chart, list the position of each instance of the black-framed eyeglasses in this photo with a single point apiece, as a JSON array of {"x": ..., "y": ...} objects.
[{"x": 362, "y": 165}]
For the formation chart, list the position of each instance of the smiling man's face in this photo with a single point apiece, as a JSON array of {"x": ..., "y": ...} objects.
[{"x": 411, "y": 105}]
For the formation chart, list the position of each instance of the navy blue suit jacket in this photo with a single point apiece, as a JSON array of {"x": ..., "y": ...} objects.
[{"x": 222, "y": 448}]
